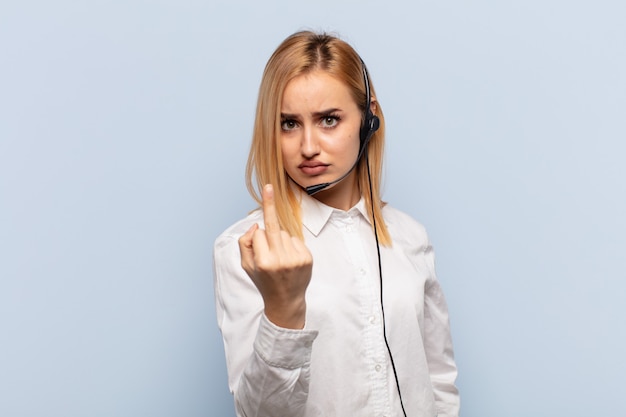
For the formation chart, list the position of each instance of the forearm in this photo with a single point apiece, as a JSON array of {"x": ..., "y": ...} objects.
[
  {"x": 440, "y": 356},
  {"x": 275, "y": 381}
]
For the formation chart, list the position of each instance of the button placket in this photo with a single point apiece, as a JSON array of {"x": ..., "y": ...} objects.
[{"x": 349, "y": 226}]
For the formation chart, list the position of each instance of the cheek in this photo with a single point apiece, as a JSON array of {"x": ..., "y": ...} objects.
[
  {"x": 288, "y": 152},
  {"x": 346, "y": 145}
]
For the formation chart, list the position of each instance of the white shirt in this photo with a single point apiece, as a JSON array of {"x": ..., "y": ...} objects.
[{"x": 338, "y": 364}]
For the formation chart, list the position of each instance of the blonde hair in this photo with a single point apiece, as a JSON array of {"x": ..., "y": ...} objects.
[{"x": 299, "y": 54}]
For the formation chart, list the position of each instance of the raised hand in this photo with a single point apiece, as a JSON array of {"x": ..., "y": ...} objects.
[{"x": 280, "y": 266}]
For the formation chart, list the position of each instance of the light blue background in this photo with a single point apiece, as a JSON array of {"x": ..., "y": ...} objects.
[{"x": 124, "y": 128}]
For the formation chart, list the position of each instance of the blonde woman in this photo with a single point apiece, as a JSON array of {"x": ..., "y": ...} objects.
[{"x": 326, "y": 297}]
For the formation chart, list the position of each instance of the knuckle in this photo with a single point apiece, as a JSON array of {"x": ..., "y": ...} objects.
[{"x": 266, "y": 265}]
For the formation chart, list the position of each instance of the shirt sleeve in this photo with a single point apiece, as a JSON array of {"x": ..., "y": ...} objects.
[
  {"x": 438, "y": 345},
  {"x": 268, "y": 366}
]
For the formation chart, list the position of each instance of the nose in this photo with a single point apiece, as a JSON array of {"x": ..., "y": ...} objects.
[{"x": 309, "y": 145}]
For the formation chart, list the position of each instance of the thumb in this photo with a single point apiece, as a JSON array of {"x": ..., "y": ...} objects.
[{"x": 247, "y": 250}]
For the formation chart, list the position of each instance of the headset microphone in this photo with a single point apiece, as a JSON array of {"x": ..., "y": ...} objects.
[{"x": 371, "y": 123}]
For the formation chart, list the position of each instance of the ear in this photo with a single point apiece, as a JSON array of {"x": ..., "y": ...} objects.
[{"x": 373, "y": 105}]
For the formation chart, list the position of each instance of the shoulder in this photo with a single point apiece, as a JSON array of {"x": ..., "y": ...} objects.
[
  {"x": 403, "y": 228},
  {"x": 233, "y": 233}
]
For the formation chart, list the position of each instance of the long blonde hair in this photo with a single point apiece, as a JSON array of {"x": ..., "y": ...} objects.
[{"x": 299, "y": 54}]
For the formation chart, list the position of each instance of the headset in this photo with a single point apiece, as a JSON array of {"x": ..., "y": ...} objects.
[{"x": 371, "y": 123}]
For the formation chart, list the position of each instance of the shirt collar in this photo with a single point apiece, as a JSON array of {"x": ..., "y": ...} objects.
[{"x": 316, "y": 214}]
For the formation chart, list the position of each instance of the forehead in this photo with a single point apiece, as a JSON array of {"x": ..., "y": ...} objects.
[{"x": 318, "y": 88}]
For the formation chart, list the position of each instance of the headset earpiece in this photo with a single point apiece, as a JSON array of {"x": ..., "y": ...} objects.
[
  {"x": 371, "y": 123},
  {"x": 375, "y": 124}
]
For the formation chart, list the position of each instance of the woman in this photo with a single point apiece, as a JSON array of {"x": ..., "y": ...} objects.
[{"x": 333, "y": 308}]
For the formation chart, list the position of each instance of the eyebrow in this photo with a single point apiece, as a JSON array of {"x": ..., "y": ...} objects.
[{"x": 315, "y": 115}]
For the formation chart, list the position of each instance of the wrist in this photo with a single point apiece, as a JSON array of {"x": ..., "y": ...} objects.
[{"x": 287, "y": 316}]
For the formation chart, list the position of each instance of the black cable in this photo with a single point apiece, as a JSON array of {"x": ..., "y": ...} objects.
[{"x": 380, "y": 274}]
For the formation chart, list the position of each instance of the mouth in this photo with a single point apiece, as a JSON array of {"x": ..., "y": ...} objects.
[{"x": 313, "y": 167}]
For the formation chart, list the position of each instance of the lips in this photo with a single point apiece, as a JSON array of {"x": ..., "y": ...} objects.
[{"x": 313, "y": 167}]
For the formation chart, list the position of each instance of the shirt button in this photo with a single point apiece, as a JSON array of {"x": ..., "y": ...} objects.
[
  {"x": 378, "y": 368},
  {"x": 361, "y": 271},
  {"x": 372, "y": 319}
]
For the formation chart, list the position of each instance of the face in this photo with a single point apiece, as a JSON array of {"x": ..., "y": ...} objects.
[{"x": 320, "y": 123}]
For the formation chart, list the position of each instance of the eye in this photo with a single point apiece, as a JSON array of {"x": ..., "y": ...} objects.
[
  {"x": 330, "y": 121},
  {"x": 288, "y": 124}
]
